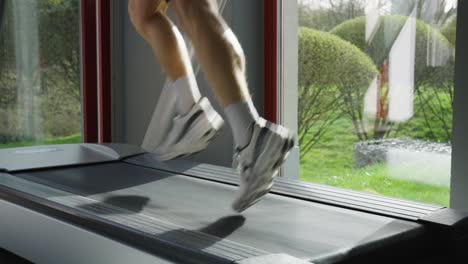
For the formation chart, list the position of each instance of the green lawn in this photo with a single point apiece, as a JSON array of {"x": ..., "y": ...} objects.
[
  {"x": 331, "y": 163},
  {"x": 52, "y": 141}
]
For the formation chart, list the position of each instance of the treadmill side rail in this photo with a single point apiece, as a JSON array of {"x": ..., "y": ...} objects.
[
  {"x": 41, "y": 157},
  {"x": 329, "y": 195}
]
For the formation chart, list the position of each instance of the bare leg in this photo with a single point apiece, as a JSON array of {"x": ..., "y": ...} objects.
[
  {"x": 217, "y": 49},
  {"x": 163, "y": 37}
]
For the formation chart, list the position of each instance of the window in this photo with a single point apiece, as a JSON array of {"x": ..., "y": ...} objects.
[
  {"x": 374, "y": 94},
  {"x": 39, "y": 72}
]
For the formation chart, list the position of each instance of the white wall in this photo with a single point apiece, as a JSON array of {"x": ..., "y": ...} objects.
[{"x": 137, "y": 78}]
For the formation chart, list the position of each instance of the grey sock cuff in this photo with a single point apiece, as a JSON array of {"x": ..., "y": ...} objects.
[
  {"x": 240, "y": 117},
  {"x": 187, "y": 93}
]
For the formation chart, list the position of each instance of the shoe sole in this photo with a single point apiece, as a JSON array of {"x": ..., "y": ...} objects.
[{"x": 263, "y": 184}]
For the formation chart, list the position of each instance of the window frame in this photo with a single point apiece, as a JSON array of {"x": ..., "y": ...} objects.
[
  {"x": 271, "y": 52},
  {"x": 89, "y": 71},
  {"x": 276, "y": 102},
  {"x": 459, "y": 175},
  {"x": 280, "y": 66},
  {"x": 96, "y": 71}
]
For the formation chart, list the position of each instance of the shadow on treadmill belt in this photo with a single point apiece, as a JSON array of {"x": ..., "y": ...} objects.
[{"x": 218, "y": 230}]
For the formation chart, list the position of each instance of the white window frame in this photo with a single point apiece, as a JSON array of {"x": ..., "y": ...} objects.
[
  {"x": 288, "y": 25},
  {"x": 459, "y": 179}
]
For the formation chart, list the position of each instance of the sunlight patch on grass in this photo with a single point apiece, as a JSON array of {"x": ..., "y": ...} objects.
[
  {"x": 76, "y": 138},
  {"x": 331, "y": 163}
]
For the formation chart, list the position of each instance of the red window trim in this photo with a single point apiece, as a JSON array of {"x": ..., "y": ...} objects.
[
  {"x": 105, "y": 91},
  {"x": 96, "y": 71},
  {"x": 270, "y": 60},
  {"x": 89, "y": 71}
]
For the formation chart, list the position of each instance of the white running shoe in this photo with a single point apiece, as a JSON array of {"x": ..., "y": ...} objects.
[
  {"x": 259, "y": 161},
  {"x": 161, "y": 120},
  {"x": 180, "y": 136}
]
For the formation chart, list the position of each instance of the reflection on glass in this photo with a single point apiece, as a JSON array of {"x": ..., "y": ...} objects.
[
  {"x": 39, "y": 72},
  {"x": 375, "y": 95}
]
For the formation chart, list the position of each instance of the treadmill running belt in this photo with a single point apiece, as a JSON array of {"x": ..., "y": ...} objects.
[{"x": 277, "y": 224}]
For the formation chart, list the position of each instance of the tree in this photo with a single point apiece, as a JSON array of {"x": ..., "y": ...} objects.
[
  {"x": 60, "y": 66},
  {"x": 325, "y": 17},
  {"x": 59, "y": 69},
  {"x": 332, "y": 74},
  {"x": 8, "y": 92},
  {"x": 430, "y": 80},
  {"x": 450, "y": 30},
  {"x": 435, "y": 13}
]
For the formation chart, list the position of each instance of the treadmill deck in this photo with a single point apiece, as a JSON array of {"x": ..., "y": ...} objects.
[{"x": 277, "y": 224}]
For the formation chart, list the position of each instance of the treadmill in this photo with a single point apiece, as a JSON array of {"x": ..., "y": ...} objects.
[{"x": 114, "y": 203}]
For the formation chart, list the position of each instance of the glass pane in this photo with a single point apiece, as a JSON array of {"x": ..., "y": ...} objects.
[
  {"x": 375, "y": 95},
  {"x": 39, "y": 72}
]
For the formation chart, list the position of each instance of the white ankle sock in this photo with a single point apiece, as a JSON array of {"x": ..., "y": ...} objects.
[
  {"x": 187, "y": 94},
  {"x": 241, "y": 116}
]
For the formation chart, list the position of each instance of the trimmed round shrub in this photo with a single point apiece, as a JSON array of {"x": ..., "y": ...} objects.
[
  {"x": 382, "y": 40},
  {"x": 326, "y": 60},
  {"x": 333, "y": 75}
]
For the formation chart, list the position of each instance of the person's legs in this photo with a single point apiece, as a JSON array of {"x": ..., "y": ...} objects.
[
  {"x": 221, "y": 58},
  {"x": 261, "y": 147},
  {"x": 182, "y": 100},
  {"x": 169, "y": 48},
  {"x": 223, "y": 62}
]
